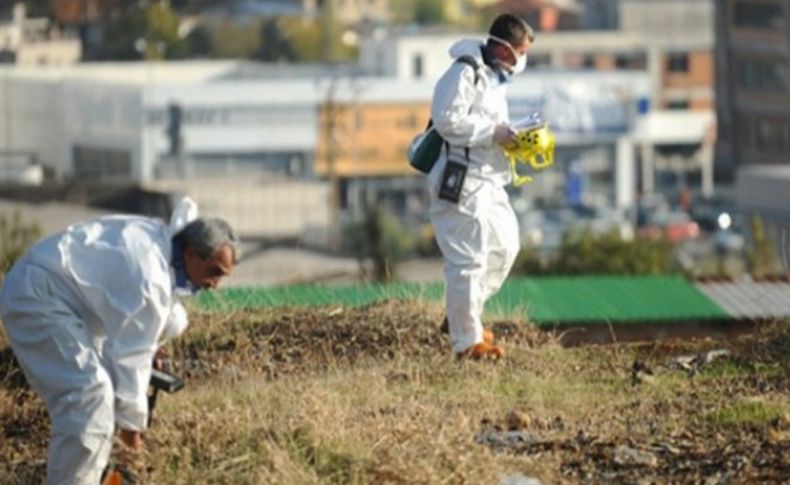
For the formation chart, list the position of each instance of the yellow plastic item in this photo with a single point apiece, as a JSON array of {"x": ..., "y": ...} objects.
[{"x": 534, "y": 147}]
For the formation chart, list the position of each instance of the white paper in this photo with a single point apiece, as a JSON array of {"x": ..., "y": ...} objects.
[{"x": 528, "y": 122}]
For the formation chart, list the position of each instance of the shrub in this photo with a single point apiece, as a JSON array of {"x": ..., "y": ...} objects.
[
  {"x": 585, "y": 253},
  {"x": 762, "y": 256},
  {"x": 15, "y": 239},
  {"x": 380, "y": 237}
]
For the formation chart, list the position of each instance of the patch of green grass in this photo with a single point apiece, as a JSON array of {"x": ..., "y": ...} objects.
[
  {"x": 755, "y": 412},
  {"x": 327, "y": 461},
  {"x": 672, "y": 382},
  {"x": 725, "y": 369}
]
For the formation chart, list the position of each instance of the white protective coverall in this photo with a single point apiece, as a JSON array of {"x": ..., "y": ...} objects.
[
  {"x": 478, "y": 237},
  {"x": 84, "y": 311}
]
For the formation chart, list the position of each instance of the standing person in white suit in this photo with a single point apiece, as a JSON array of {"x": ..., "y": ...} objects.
[
  {"x": 475, "y": 226},
  {"x": 85, "y": 311}
]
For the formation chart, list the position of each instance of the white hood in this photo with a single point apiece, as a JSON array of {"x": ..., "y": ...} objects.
[{"x": 467, "y": 47}]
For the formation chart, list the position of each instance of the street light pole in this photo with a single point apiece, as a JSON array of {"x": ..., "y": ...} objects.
[{"x": 330, "y": 113}]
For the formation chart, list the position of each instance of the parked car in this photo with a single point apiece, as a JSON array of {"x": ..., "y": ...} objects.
[
  {"x": 715, "y": 214},
  {"x": 729, "y": 240},
  {"x": 676, "y": 226}
]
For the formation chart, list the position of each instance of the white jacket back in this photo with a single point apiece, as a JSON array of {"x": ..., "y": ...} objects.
[{"x": 114, "y": 273}]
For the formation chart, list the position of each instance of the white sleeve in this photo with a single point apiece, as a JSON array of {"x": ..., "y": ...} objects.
[
  {"x": 130, "y": 351},
  {"x": 452, "y": 99},
  {"x": 177, "y": 322}
]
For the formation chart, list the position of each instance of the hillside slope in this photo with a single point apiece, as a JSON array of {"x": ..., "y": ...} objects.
[{"x": 372, "y": 395}]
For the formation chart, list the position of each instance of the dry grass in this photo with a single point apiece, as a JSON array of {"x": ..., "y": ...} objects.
[{"x": 373, "y": 395}]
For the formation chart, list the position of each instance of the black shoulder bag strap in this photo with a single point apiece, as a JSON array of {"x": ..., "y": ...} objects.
[
  {"x": 469, "y": 61},
  {"x": 454, "y": 173}
]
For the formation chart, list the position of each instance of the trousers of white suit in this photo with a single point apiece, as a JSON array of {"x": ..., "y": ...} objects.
[{"x": 479, "y": 240}]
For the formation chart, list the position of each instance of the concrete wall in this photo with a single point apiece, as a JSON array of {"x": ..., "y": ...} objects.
[
  {"x": 32, "y": 120},
  {"x": 762, "y": 189},
  {"x": 261, "y": 209},
  {"x": 102, "y": 117},
  {"x": 232, "y": 117},
  {"x": 54, "y": 52}
]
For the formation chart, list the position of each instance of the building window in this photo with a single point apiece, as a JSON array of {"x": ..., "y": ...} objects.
[
  {"x": 636, "y": 60},
  {"x": 678, "y": 104},
  {"x": 760, "y": 15},
  {"x": 678, "y": 62},
  {"x": 771, "y": 135},
  {"x": 92, "y": 163},
  {"x": 380, "y": 63},
  {"x": 763, "y": 74},
  {"x": 417, "y": 66},
  {"x": 538, "y": 60}
]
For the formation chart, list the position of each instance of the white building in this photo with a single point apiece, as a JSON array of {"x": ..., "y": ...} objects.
[
  {"x": 109, "y": 120},
  {"x": 259, "y": 124},
  {"x": 36, "y": 42}
]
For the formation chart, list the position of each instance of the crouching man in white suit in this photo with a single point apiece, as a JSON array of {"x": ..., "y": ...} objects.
[{"x": 85, "y": 311}]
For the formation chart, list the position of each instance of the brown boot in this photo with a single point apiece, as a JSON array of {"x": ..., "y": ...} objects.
[
  {"x": 481, "y": 351},
  {"x": 488, "y": 335}
]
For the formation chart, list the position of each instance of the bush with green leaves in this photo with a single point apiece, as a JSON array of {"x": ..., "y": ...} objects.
[
  {"x": 380, "y": 237},
  {"x": 16, "y": 237},
  {"x": 587, "y": 253},
  {"x": 762, "y": 256}
]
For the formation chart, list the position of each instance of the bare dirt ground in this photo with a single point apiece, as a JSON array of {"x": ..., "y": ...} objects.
[{"x": 372, "y": 395}]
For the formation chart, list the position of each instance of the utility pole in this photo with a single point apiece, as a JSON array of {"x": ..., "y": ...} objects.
[
  {"x": 6, "y": 111},
  {"x": 331, "y": 112},
  {"x": 329, "y": 34}
]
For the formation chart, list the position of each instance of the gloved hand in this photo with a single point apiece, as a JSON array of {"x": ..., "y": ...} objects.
[
  {"x": 159, "y": 358},
  {"x": 132, "y": 439},
  {"x": 505, "y": 135}
]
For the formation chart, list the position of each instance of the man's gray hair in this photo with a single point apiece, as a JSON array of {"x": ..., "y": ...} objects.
[{"x": 207, "y": 235}]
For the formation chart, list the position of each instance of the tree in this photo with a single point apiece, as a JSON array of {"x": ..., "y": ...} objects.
[
  {"x": 762, "y": 257},
  {"x": 120, "y": 36},
  {"x": 379, "y": 237},
  {"x": 330, "y": 45},
  {"x": 195, "y": 6},
  {"x": 429, "y": 12},
  {"x": 81, "y": 12},
  {"x": 35, "y": 8},
  {"x": 16, "y": 237},
  {"x": 198, "y": 42},
  {"x": 305, "y": 38},
  {"x": 161, "y": 33},
  {"x": 276, "y": 44},
  {"x": 233, "y": 41},
  {"x": 149, "y": 31}
]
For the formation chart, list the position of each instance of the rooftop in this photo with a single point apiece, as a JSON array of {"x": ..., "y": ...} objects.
[{"x": 544, "y": 300}]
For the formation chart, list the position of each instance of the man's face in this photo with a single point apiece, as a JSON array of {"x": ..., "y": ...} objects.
[
  {"x": 509, "y": 54},
  {"x": 207, "y": 273}
]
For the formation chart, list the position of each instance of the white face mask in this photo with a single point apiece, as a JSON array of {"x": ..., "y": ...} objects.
[
  {"x": 521, "y": 60},
  {"x": 521, "y": 64}
]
